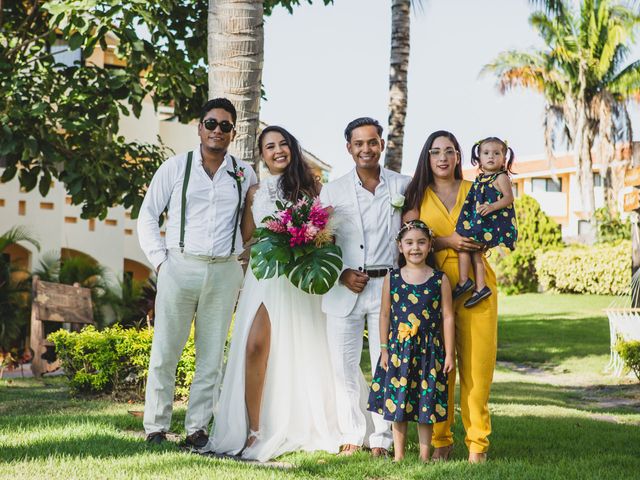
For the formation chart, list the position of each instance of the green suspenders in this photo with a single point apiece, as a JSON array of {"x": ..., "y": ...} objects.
[
  {"x": 183, "y": 210},
  {"x": 237, "y": 217}
]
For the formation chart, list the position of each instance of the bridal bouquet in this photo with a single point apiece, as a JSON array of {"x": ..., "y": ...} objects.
[{"x": 296, "y": 241}]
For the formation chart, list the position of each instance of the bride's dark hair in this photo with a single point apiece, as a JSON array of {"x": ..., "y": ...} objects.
[{"x": 297, "y": 180}]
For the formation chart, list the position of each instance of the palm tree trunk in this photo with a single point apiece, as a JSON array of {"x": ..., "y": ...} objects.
[
  {"x": 398, "y": 91},
  {"x": 585, "y": 165},
  {"x": 236, "y": 56},
  {"x": 607, "y": 151}
]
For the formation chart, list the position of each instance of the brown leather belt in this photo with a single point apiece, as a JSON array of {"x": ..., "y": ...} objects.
[{"x": 377, "y": 272}]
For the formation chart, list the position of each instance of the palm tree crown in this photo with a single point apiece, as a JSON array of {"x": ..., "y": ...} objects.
[{"x": 583, "y": 75}]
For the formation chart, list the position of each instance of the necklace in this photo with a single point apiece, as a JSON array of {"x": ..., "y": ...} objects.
[{"x": 448, "y": 198}]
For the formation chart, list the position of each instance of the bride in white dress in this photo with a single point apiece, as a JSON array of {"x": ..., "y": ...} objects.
[{"x": 278, "y": 393}]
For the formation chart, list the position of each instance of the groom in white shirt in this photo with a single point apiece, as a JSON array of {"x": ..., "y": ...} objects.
[
  {"x": 198, "y": 270},
  {"x": 366, "y": 226}
]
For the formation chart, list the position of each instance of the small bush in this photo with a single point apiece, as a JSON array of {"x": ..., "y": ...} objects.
[
  {"x": 599, "y": 269},
  {"x": 610, "y": 228},
  {"x": 630, "y": 354},
  {"x": 535, "y": 228},
  {"x": 115, "y": 361},
  {"x": 515, "y": 271}
]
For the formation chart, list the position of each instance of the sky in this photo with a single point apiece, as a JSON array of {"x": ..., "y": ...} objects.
[{"x": 326, "y": 65}]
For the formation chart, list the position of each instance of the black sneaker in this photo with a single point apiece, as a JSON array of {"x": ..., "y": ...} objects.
[
  {"x": 462, "y": 289},
  {"x": 197, "y": 439},
  {"x": 477, "y": 297},
  {"x": 156, "y": 438}
]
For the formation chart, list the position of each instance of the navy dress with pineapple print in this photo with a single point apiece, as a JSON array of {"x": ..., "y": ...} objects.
[
  {"x": 414, "y": 387},
  {"x": 497, "y": 228}
]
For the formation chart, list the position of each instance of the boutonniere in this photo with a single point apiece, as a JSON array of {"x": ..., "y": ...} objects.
[
  {"x": 237, "y": 174},
  {"x": 397, "y": 201}
]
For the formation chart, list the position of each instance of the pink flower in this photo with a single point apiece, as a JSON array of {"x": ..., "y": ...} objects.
[
  {"x": 275, "y": 226},
  {"x": 284, "y": 216},
  {"x": 297, "y": 235},
  {"x": 310, "y": 232},
  {"x": 318, "y": 216}
]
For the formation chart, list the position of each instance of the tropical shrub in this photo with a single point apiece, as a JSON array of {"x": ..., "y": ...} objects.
[
  {"x": 135, "y": 306},
  {"x": 516, "y": 272},
  {"x": 599, "y": 269},
  {"x": 630, "y": 354},
  {"x": 115, "y": 361},
  {"x": 535, "y": 228},
  {"x": 610, "y": 228},
  {"x": 537, "y": 232},
  {"x": 15, "y": 298}
]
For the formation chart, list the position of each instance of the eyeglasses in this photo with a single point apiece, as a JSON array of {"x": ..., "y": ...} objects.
[
  {"x": 212, "y": 124},
  {"x": 436, "y": 152}
]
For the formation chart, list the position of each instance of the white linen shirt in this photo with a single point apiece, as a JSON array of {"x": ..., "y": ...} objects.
[
  {"x": 375, "y": 210},
  {"x": 210, "y": 212}
]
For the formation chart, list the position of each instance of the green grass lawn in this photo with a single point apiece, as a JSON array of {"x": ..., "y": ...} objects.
[{"x": 556, "y": 414}]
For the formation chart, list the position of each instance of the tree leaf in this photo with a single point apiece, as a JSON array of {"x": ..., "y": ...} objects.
[
  {"x": 76, "y": 41},
  {"x": 8, "y": 173},
  {"x": 45, "y": 183}
]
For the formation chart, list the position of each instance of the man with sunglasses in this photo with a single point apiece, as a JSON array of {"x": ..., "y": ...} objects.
[{"x": 199, "y": 274}]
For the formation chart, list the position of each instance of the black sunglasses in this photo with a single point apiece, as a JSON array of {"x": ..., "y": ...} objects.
[{"x": 212, "y": 124}]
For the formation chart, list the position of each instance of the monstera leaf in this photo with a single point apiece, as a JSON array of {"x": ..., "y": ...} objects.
[
  {"x": 315, "y": 270},
  {"x": 269, "y": 255}
]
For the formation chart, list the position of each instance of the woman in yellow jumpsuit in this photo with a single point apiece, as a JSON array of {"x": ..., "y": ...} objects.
[{"x": 435, "y": 195}]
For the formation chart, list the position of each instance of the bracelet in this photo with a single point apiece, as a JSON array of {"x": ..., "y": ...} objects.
[{"x": 384, "y": 345}]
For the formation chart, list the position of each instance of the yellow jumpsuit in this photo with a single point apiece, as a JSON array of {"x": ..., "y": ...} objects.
[{"x": 476, "y": 334}]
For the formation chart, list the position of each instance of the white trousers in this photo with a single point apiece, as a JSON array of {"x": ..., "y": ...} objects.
[
  {"x": 345, "y": 335},
  {"x": 190, "y": 285}
]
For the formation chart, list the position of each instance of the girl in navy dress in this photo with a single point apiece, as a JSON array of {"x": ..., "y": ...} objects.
[
  {"x": 487, "y": 215},
  {"x": 416, "y": 316}
]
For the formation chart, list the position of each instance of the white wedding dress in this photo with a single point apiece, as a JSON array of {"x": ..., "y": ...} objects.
[{"x": 298, "y": 409}]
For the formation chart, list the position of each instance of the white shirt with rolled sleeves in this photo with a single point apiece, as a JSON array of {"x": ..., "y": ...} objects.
[{"x": 211, "y": 206}]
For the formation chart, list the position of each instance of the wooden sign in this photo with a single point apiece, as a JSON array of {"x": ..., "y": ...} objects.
[
  {"x": 632, "y": 200},
  {"x": 56, "y": 302},
  {"x": 632, "y": 177}
]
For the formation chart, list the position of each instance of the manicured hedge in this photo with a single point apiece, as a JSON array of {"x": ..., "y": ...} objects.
[
  {"x": 537, "y": 232},
  {"x": 115, "y": 361},
  {"x": 599, "y": 269}
]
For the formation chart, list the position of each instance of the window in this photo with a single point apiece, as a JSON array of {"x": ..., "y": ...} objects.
[
  {"x": 62, "y": 54},
  {"x": 584, "y": 227},
  {"x": 597, "y": 180},
  {"x": 546, "y": 185},
  {"x": 514, "y": 189},
  {"x": 554, "y": 186}
]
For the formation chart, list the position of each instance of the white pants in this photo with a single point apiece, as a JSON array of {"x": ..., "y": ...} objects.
[
  {"x": 345, "y": 343},
  {"x": 190, "y": 285}
]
